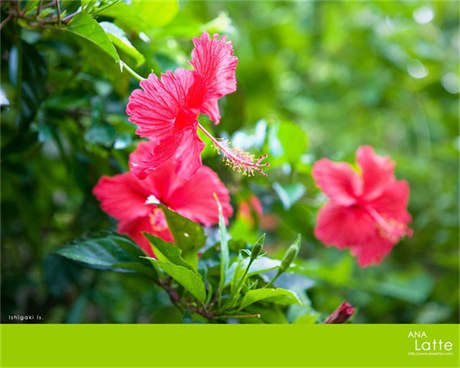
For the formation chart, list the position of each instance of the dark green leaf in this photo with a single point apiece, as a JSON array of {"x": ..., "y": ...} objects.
[
  {"x": 190, "y": 280},
  {"x": 188, "y": 235},
  {"x": 167, "y": 251},
  {"x": 111, "y": 251},
  {"x": 101, "y": 133}
]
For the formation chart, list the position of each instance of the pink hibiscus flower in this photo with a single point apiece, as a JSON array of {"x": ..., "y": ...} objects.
[
  {"x": 132, "y": 201},
  {"x": 166, "y": 111},
  {"x": 366, "y": 212}
]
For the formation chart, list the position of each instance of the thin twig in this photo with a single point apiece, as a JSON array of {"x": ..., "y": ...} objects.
[
  {"x": 58, "y": 7},
  {"x": 6, "y": 20},
  {"x": 49, "y": 5},
  {"x": 39, "y": 8},
  {"x": 70, "y": 16}
]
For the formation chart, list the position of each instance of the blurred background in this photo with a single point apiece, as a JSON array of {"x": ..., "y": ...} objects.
[{"x": 315, "y": 79}]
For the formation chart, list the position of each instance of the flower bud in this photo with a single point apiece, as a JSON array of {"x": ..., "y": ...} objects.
[
  {"x": 290, "y": 255},
  {"x": 341, "y": 315},
  {"x": 257, "y": 248}
]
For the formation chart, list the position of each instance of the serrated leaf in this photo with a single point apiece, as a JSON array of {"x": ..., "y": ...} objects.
[
  {"x": 167, "y": 251},
  {"x": 111, "y": 251},
  {"x": 190, "y": 280},
  {"x": 188, "y": 235},
  {"x": 85, "y": 26},
  {"x": 276, "y": 296}
]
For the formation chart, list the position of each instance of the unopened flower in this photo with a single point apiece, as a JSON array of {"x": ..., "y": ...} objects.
[
  {"x": 166, "y": 111},
  {"x": 341, "y": 315},
  {"x": 366, "y": 211},
  {"x": 134, "y": 202}
]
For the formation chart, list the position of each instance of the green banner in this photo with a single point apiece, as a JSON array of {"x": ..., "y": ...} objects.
[{"x": 229, "y": 345}]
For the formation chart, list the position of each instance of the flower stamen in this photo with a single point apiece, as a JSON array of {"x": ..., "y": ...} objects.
[
  {"x": 239, "y": 160},
  {"x": 389, "y": 228}
]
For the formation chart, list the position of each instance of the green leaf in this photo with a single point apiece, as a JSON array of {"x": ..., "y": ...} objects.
[
  {"x": 237, "y": 275},
  {"x": 119, "y": 39},
  {"x": 293, "y": 140},
  {"x": 167, "y": 251},
  {"x": 156, "y": 13},
  {"x": 86, "y": 27},
  {"x": 30, "y": 5},
  {"x": 188, "y": 235},
  {"x": 109, "y": 251},
  {"x": 276, "y": 296},
  {"x": 259, "y": 265},
  {"x": 307, "y": 319},
  {"x": 190, "y": 280},
  {"x": 224, "y": 253},
  {"x": 28, "y": 71},
  {"x": 141, "y": 15},
  {"x": 101, "y": 133},
  {"x": 289, "y": 194},
  {"x": 271, "y": 314}
]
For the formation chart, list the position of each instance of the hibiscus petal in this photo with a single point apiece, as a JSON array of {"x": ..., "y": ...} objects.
[
  {"x": 211, "y": 108},
  {"x": 343, "y": 227},
  {"x": 214, "y": 66},
  {"x": 376, "y": 170},
  {"x": 373, "y": 251},
  {"x": 392, "y": 202},
  {"x": 390, "y": 210},
  {"x": 134, "y": 228},
  {"x": 183, "y": 151},
  {"x": 195, "y": 199},
  {"x": 338, "y": 181},
  {"x": 188, "y": 154},
  {"x": 149, "y": 156},
  {"x": 122, "y": 196},
  {"x": 161, "y": 106}
]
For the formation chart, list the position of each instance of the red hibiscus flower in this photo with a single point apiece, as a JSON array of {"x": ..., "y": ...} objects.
[
  {"x": 166, "y": 111},
  {"x": 366, "y": 212},
  {"x": 132, "y": 200}
]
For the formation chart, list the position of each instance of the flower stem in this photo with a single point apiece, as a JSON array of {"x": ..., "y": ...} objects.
[
  {"x": 270, "y": 284},
  {"x": 130, "y": 71}
]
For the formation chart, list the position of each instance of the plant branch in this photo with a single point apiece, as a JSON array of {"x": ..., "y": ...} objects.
[
  {"x": 6, "y": 20},
  {"x": 58, "y": 8}
]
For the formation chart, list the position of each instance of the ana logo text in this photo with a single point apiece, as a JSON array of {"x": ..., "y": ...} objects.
[{"x": 424, "y": 345}]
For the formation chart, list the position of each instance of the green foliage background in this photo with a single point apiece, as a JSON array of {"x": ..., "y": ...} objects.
[{"x": 315, "y": 79}]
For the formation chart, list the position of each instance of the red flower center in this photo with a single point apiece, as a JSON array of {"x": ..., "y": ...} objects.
[
  {"x": 157, "y": 220},
  {"x": 388, "y": 228}
]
